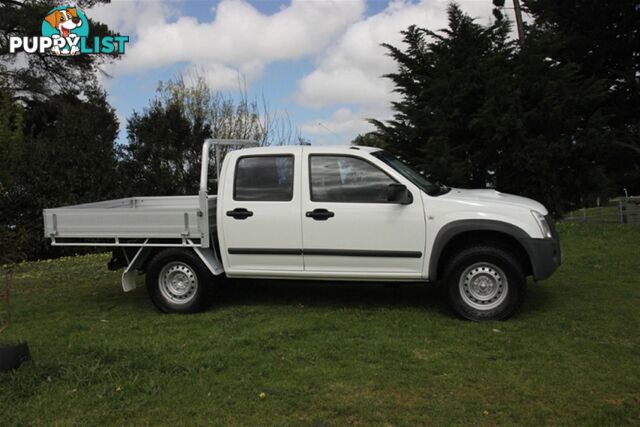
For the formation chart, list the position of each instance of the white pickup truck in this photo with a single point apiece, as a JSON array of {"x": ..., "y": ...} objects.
[{"x": 346, "y": 213}]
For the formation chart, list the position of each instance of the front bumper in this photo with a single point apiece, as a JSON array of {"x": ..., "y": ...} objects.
[{"x": 545, "y": 254}]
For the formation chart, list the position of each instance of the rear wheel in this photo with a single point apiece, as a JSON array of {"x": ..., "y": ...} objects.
[
  {"x": 484, "y": 283},
  {"x": 178, "y": 281}
]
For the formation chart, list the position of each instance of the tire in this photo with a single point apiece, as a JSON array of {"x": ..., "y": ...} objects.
[
  {"x": 13, "y": 355},
  {"x": 484, "y": 283},
  {"x": 179, "y": 282}
]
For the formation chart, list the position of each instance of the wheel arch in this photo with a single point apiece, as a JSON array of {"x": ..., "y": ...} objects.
[
  {"x": 208, "y": 256},
  {"x": 464, "y": 233},
  {"x": 136, "y": 260}
]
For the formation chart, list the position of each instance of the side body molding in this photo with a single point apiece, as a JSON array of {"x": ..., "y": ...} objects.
[{"x": 452, "y": 229}]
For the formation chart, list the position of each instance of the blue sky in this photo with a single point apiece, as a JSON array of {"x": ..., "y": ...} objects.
[{"x": 318, "y": 60}]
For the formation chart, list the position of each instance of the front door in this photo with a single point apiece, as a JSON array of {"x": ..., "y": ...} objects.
[
  {"x": 349, "y": 227},
  {"x": 261, "y": 218}
]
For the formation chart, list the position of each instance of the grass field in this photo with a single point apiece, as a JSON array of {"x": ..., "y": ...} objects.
[{"x": 331, "y": 354}]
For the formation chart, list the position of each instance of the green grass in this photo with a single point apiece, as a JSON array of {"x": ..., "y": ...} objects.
[{"x": 331, "y": 354}]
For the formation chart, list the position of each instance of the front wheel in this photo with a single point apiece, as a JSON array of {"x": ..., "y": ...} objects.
[
  {"x": 178, "y": 281},
  {"x": 484, "y": 283}
]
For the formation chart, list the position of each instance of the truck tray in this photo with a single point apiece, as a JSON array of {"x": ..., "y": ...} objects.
[{"x": 175, "y": 220}]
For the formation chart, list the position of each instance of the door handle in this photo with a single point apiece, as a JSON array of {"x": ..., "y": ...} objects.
[
  {"x": 320, "y": 214},
  {"x": 240, "y": 213}
]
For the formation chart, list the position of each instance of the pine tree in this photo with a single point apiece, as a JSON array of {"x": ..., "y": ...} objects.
[
  {"x": 477, "y": 110},
  {"x": 442, "y": 78},
  {"x": 603, "y": 39}
]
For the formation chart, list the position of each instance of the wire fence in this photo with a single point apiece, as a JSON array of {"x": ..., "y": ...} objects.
[
  {"x": 626, "y": 210},
  {"x": 630, "y": 210}
]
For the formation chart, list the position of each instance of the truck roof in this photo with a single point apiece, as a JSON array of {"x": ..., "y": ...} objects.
[{"x": 334, "y": 149}]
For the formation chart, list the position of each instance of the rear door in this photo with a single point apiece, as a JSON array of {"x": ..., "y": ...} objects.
[
  {"x": 349, "y": 227},
  {"x": 260, "y": 215}
]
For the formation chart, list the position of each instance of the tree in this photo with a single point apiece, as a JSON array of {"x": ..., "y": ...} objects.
[
  {"x": 603, "y": 39},
  {"x": 229, "y": 117},
  {"x": 369, "y": 139},
  {"x": 478, "y": 111},
  {"x": 67, "y": 157},
  {"x": 441, "y": 78},
  {"x": 11, "y": 137},
  {"x": 57, "y": 130},
  {"x": 550, "y": 130},
  {"x": 162, "y": 156}
]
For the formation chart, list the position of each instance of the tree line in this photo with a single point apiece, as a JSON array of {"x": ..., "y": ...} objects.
[{"x": 555, "y": 116}]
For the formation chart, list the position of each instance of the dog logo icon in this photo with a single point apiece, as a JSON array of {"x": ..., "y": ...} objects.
[
  {"x": 65, "y": 25},
  {"x": 65, "y": 32}
]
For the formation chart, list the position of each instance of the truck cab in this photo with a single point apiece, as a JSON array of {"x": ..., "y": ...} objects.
[
  {"x": 358, "y": 213},
  {"x": 352, "y": 213}
]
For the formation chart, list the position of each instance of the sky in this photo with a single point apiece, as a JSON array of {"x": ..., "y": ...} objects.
[{"x": 317, "y": 61}]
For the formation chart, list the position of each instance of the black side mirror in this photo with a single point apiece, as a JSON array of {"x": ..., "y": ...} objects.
[{"x": 398, "y": 193}]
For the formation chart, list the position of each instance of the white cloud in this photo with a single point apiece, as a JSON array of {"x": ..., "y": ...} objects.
[
  {"x": 351, "y": 70},
  {"x": 342, "y": 121},
  {"x": 220, "y": 77},
  {"x": 342, "y": 125},
  {"x": 240, "y": 39},
  {"x": 126, "y": 16},
  {"x": 348, "y": 84}
]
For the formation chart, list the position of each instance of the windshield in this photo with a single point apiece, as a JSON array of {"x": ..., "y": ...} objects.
[{"x": 432, "y": 189}]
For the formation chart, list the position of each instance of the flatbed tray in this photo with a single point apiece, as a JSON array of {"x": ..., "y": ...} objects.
[{"x": 152, "y": 218}]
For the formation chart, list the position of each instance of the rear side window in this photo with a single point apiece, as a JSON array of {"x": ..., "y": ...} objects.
[
  {"x": 264, "y": 179},
  {"x": 345, "y": 179}
]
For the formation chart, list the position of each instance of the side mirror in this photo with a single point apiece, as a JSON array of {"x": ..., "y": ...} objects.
[{"x": 398, "y": 193}]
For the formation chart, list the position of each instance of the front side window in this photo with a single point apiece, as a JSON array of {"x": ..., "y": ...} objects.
[
  {"x": 264, "y": 179},
  {"x": 345, "y": 179}
]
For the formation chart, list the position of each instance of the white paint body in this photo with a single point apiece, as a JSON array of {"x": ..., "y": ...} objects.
[{"x": 355, "y": 226}]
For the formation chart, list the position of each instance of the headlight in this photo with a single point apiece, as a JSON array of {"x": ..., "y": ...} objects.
[{"x": 542, "y": 223}]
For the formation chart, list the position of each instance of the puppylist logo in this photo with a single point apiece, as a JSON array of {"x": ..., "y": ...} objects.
[{"x": 65, "y": 32}]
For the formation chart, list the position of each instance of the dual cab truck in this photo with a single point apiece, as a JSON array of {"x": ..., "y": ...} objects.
[{"x": 323, "y": 213}]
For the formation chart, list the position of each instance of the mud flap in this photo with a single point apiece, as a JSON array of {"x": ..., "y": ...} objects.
[
  {"x": 210, "y": 259},
  {"x": 129, "y": 275}
]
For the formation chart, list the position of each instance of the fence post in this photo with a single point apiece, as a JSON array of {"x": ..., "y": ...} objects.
[
  {"x": 620, "y": 210},
  {"x": 623, "y": 212}
]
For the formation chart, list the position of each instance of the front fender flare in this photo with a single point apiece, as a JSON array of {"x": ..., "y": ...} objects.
[{"x": 455, "y": 228}]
